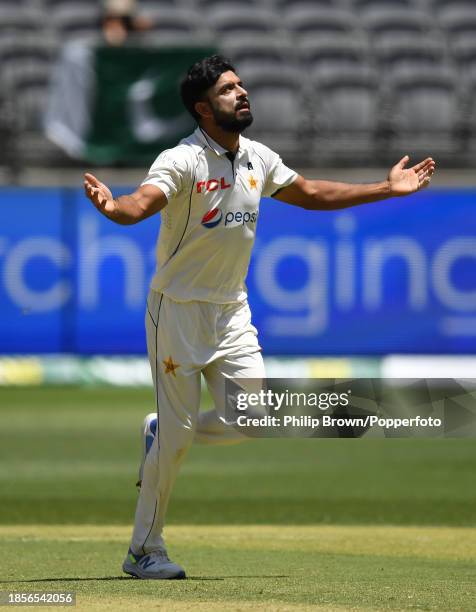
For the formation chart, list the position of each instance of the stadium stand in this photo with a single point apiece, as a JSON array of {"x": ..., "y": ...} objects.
[
  {"x": 330, "y": 4},
  {"x": 55, "y": 4},
  {"x": 424, "y": 112},
  {"x": 26, "y": 65},
  {"x": 468, "y": 113},
  {"x": 421, "y": 53},
  {"x": 358, "y": 5},
  {"x": 265, "y": 52},
  {"x": 19, "y": 19},
  {"x": 382, "y": 21},
  {"x": 276, "y": 105},
  {"x": 463, "y": 51},
  {"x": 326, "y": 54},
  {"x": 456, "y": 19},
  {"x": 237, "y": 20},
  {"x": 170, "y": 20},
  {"x": 346, "y": 117},
  {"x": 211, "y": 5},
  {"x": 399, "y": 50},
  {"x": 318, "y": 20},
  {"x": 76, "y": 20},
  {"x": 148, "y": 6},
  {"x": 28, "y": 79}
]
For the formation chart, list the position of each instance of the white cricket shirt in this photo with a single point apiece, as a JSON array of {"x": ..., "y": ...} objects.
[{"x": 209, "y": 224}]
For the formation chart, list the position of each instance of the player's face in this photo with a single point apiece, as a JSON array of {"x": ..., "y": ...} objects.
[{"x": 229, "y": 103}]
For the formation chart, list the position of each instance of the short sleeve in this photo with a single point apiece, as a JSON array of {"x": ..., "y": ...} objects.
[
  {"x": 169, "y": 172},
  {"x": 279, "y": 175}
]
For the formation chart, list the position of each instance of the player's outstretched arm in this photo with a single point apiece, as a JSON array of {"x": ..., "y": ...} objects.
[
  {"x": 126, "y": 209},
  {"x": 330, "y": 195}
]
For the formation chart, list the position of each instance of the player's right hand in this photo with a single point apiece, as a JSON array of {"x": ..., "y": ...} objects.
[{"x": 99, "y": 194}]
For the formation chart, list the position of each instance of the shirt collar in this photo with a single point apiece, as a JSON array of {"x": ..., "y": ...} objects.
[{"x": 208, "y": 141}]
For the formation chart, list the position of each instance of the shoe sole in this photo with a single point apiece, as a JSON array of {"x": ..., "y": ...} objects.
[{"x": 136, "y": 573}]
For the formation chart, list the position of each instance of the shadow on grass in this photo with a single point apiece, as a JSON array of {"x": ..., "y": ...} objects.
[{"x": 93, "y": 578}]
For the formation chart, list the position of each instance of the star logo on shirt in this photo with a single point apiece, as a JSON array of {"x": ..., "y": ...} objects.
[
  {"x": 253, "y": 182},
  {"x": 170, "y": 366}
]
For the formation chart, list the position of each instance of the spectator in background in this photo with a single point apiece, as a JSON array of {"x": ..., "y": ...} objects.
[
  {"x": 120, "y": 20},
  {"x": 72, "y": 90}
]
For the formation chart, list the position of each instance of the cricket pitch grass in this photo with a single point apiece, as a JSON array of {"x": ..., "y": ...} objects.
[
  {"x": 252, "y": 567},
  {"x": 266, "y": 525}
]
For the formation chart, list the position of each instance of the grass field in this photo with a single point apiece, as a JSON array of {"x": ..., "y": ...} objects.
[
  {"x": 270, "y": 524},
  {"x": 253, "y": 567}
]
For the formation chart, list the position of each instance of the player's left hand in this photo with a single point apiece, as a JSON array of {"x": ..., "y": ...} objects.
[{"x": 404, "y": 180}]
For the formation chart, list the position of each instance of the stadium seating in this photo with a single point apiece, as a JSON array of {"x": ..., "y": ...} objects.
[
  {"x": 424, "y": 111},
  {"x": 8, "y": 130},
  {"x": 263, "y": 53},
  {"x": 358, "y": 5},
  {"x": 236, "y": 20},
  {"x": 354, "y": 70},
  {"x": 469, "y": 116},
  {"x": 437, "y": 5},
  {"x": 287, "y": 4},
  {"x": 398, "y": 50},
  {"x": 55, "y": 4},
  {"x": 463, "y": 51},
  {"x": 29, "y": 82},
  {"x": 326, "y": 54},
  {"x": 278, "y": 106},
  {"x": 381, "y": 21},
  {"x": 18, "y": 19},
  {"x": 346, "y": 116},
  {"x": 26, "y": 66},
  {"x": 317, "y": 20},
  {"x": 456, "y": 20},
  {"x": 170, "y": 20},
  {"x": 6, "y": 4},
  {"x": 211, "y": 5},
  {"x": 44, "y": 45},
  {"x": 76, "y": 21}
]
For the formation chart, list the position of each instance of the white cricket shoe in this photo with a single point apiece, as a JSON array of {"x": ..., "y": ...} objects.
[
  {"x": 153, "y": 566},
  {"x": 148, "y": 433}
]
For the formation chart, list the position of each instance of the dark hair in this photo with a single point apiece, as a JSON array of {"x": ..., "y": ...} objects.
[{"x": 200, "y": 77}]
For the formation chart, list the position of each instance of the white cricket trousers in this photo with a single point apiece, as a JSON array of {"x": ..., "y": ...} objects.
[{"x": 184, "y": 340}]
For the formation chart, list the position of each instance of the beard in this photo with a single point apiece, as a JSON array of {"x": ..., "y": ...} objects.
[{"x": 229, "y": 122}]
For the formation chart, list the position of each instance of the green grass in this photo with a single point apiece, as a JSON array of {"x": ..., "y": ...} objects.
[
  {"x": 269, "y": 524},
  {"x": 249, "y": 568},
  {"x": 71, "y": 456}
]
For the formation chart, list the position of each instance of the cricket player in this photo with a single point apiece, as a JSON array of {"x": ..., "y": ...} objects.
[{"x": 208, "y": 190}]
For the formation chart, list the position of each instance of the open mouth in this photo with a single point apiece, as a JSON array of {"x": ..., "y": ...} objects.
[{"x": 243, "y": 106}]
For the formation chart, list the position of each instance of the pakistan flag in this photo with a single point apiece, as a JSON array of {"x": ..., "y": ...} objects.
[{"x": 119, "y": 106}]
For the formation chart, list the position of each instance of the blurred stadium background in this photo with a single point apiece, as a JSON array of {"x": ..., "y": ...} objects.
[
  {"x": 342, "y": 89},
  {"x": 333, "y": 81}
]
